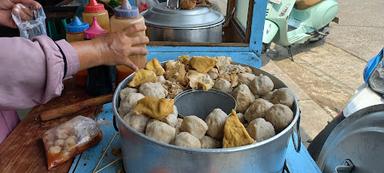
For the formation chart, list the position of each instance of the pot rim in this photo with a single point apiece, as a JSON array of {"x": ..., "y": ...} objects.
[
  {"x": 186, "y": 28},
  {"x": 116, "y": 96}
]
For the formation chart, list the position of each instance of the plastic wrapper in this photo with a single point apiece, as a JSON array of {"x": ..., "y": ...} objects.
[
  {"x": 65, "y": 141},
  {"x": 29, "y": 27}
]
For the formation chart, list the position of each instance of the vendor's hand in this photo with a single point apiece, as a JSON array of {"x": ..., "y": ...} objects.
[
  {"x": 22, "y": 7},
  {"x": 115, "y": 48}
]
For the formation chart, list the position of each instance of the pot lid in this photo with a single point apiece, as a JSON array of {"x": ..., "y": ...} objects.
[
  {"x": 163, "y": 16},
  {"x": 356, "y": 144}
]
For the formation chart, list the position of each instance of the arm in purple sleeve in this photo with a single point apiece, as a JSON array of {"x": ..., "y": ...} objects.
[{"x": 32, "y": 72}]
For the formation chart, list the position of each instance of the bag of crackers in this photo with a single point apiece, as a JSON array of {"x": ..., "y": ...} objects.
[{"x": 65, "y": 141}]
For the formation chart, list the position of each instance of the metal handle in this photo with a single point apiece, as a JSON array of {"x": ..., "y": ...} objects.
[
  {"x": 346, "y": 167},
  {"x": 114, "y": 123},
  {"x": 297, "y": 142},
  {"x": 173, "y": 4}
]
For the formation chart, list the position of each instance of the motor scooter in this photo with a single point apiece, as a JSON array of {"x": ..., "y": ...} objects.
[
  {"x": 352, "y": 142},
  {"x": 287, "y": 25}
]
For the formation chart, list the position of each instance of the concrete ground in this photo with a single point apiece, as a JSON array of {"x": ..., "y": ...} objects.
[{"x": 325, "y": 74}]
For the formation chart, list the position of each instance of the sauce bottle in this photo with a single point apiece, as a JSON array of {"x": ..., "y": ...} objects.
[
  {"x": 125, "y": 16},
  {"x": 101, "y": 79},
  {"x": 75, "y": 30},
  {"x": 94, "y": 9}
]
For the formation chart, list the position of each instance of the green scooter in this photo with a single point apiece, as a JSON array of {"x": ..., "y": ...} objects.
[{"x": 286, "y": 25}]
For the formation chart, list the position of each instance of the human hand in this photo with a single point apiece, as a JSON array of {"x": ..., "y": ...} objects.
[
  {"x": 22, "y": 8},
  {"x": 115, "y": 48}
]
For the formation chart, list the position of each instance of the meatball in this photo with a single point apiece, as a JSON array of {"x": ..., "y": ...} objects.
[
  {"x": 261, "y": 85},
  {"x": 185, "y": 139},
  {"x": 130, "y": 100},
  {"x": 283, "y": 96},
  {"x": 171, "y": 119},
  {"x": 280, "y": 116},
  {"x": 213, "y": 73},
  {"x": 215, "y": 121},
  {"x": 124, "y": 92},
  {"x": 54, "y": 150},
  {"x": 223, "y": 85},
  {"x": 208, "y": 142},
  {"x": 243, "y": 96},
  {"x": 194, "y": 125},
  {"x": 257, "y": 109},
  {"x": 153, "y": 89},
  {"x": 269, "y": 95},
  {"x": 241, "y": 117},
  {"x": 178, "y": 125},
  {"x": 246, "y": 78},
  {"x": 137, "y": 122},
  {"x": 161, "y": 79},
  {"x": 160, "y": 131},
  {"x": 260, "y": 130}
]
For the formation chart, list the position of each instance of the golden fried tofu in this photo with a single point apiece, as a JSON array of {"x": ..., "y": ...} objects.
[
  {"x": 235, "y": 134},
  {"x": 155, "y": 66},
  {"x": 199, "y": 80},
  {"x": 142, "y": 76},
  {"x": 154, "y": 107},
  {"x": 202, "y": 64}
]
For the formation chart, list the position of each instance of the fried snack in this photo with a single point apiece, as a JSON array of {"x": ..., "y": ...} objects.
[
  {"x": 155, "y": 66},
  {"x": 173, "y": 88},
  {"x": 65, "y": 141},
  {"x": 202, "y": 64},
  {"x": 184, "y": 59},
  {"x": 142, "y": 76},
  {"x": 154, "y": 107},
  {"x": 175, "y": 71},
  {"x": 199, "y": 80},
  {"x": 188, "y": 4},
  {"x": 235, "y": 134}
]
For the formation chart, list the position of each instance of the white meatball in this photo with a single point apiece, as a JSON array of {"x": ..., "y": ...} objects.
[
  {"x": 137, "y": 122},
  {"x": 280, "y": 116},
  {"x": 161, "y": 79},
  {"x": 257, "y": 109},
  {"x": 223, "y": 85},
  {"x": 160, "y": 131},
  {"x": 124, "y": 92},
  {"x": 129, "y": 101},
  {"x": 213, "y": 73},
  {"x": 171, "y": 119},
  {"x": 54, "y": 150},
  {"x": 260, "y": 130},
  {"x": 215, "y": 121},
  {"x": 60, "y": 142},
  {"x": 241, "y": 117},
  {"x": 269, "y": 95},
  {"x": 246, "y": 78},
  {"x": 208, "y": 142},
  {"x": 283, "y": 96},
  {"x": 185, "y": 139},
  {"x": 153, "y": 89},
  {"x": 243, "y": 96},
  {"x": 194, "y": 125},
  {"x": 178, "y": 125},
  {"x": 70, "y": 142},
  {"x": 261, "y": 85}
]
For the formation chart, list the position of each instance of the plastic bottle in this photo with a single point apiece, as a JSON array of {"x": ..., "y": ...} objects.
[
  {"x": 75, "y": 30},
  {"x": 94, "y": 9},
  {"x": 101, "y": 79},
  {"x": 125, "y": 16}
]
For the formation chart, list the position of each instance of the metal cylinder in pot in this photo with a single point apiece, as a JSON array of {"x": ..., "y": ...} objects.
[
  {"x": 144, "y": 154},
  {"x": 166, "y": 23}
]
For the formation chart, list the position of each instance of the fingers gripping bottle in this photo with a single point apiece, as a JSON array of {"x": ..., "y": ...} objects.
[
  {"x": 125, "y": 16},
  {"x": 101, "y": 79},
  {"x": 94, "y": 9}
]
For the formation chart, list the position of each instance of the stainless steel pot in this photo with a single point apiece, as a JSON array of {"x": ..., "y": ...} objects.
[
  {"x": 168, "y": 23},
  {"x": 143, "y": 154}
]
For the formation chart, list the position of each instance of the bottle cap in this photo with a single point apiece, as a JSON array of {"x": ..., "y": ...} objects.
[
  {"x": 94, "y": 7},
  {"x": 94, "y": 31},
  {"x": 77, "y": 25},
  {"x": 126, "y": 10}
]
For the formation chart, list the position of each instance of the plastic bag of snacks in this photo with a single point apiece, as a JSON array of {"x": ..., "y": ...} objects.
[{"x": 69, "y": 139}]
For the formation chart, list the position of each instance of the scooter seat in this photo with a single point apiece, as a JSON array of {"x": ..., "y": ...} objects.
[{"x": 304, "y": 4}]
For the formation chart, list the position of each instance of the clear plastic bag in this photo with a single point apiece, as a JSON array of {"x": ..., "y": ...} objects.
[
  {"x": 65, "y": 141},
  {"x": 30, "y": 27}
]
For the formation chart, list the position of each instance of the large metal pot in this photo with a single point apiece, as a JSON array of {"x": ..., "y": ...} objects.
[
  {"x": 143, "y": 154},
  {"x": 166, "y": 23}
]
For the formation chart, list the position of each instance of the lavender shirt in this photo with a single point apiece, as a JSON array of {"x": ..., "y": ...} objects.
[{"x": 31, "y": 73}]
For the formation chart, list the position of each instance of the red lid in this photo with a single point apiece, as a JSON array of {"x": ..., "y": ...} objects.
[
  {"x": 94, "y": 7},
  {"x": 94, "y": 31}
]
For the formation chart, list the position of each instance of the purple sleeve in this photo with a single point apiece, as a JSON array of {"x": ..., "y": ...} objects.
[{"x": 32, "y": 72}]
